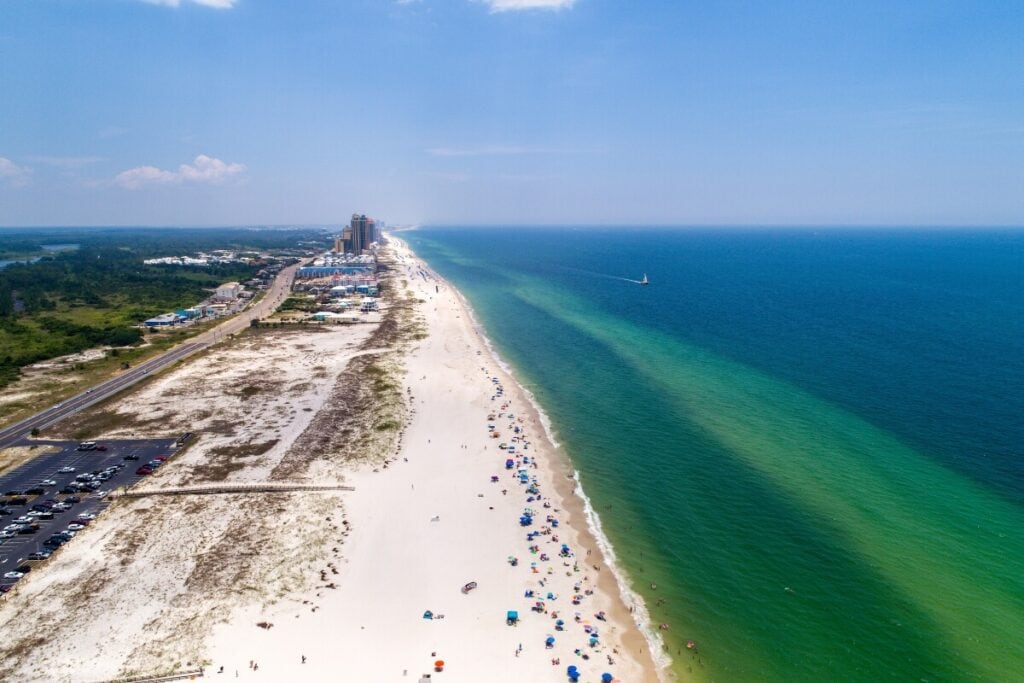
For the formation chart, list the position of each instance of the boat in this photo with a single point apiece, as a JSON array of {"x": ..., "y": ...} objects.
[{"x": 645, "y": 281}]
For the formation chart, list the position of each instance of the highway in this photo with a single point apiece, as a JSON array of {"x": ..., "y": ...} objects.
[{"x": 273, "y": 297}]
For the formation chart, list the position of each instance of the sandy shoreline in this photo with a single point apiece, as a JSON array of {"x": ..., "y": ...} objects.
[
  {"x": 434, "y": 521},
  {"x": 630, "y": 607}
]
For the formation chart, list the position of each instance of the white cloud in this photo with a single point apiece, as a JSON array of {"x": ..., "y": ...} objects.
[
  {"x": 216, "y": 4},
  {"x": 204, "y": 169},
  {"x": 513, "y": 5},
  {"x": 12, "y": 174}
]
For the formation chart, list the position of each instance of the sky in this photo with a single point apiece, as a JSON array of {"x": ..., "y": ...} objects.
[{"x": 773, "y": 112}]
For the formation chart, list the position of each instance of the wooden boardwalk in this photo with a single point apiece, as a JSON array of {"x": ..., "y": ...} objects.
[
  {"x": 180, "y": 676},
  {"x": 224, "y": 488}
]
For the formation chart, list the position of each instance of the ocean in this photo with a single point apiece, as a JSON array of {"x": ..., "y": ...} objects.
[{"x": 806, "y": 446}]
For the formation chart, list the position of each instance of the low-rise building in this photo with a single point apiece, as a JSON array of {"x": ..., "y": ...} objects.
[
  {"x": 228, "y": 291},
  {"x": 164, "y": 320}
]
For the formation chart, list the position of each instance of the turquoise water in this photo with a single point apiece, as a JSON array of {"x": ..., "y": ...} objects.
[{"x": 810, "y": 441}]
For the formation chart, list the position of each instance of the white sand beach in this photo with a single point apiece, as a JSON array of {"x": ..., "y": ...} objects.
[{"x": 433, "y": 522}]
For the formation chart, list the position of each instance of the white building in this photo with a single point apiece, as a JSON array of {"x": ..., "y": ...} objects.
[{"x": 228, "y": 291}]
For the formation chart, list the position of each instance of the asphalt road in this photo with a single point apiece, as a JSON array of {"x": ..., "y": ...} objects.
[
  {"x": 270, "y": 301},
  {"x": 14, "y": 551}
]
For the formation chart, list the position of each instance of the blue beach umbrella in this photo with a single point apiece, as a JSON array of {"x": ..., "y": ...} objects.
[{"x": 606, "y": 678}]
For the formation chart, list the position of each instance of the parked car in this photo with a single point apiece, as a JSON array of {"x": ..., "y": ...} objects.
[
  {"x": 87, "y": 445},
  {"x": 66, "y": 470},
  {"x": 39, "y": 555},
  {"x": 13, "y": 493},
  {"x": 5, "y": 588},
  {"x": 19, "y": 500},
  {"x": 87, "y": 515},
  {"x": 131, "y": 456},
  {"x": 6, "y": 511},
  {"x": 48, "y": 482},
  {"x": 101, "y": 447},
  {"x": 71, "y": 500},
  {"x": 70, "y": 488},
  {"x": 75, "y": 527},
  {"x": 144, "y": 470},
  {"x": 13, "y": 575},
  {"x": 24, "y": 569},
  {"x": 36, "y": 491}
]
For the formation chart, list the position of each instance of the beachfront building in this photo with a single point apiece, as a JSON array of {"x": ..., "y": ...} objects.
[
  {"x": 228, "y": 291},
  {"x": 165, "y": 320},
  {"x": 361, "y": 233}
]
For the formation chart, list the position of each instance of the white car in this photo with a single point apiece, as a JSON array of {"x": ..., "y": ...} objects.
[
  {"x": 7, "y": 533},
  {"x": 66, "y": 470},
  {"x": 87, "y": 515},
  {"x": 48, "y": 482},
  {"x": 75, "y": 527},
  {"x": 13, "y": 575}
]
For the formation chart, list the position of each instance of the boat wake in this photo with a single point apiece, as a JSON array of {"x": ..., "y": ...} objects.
[{"x": 606, "y": 275}]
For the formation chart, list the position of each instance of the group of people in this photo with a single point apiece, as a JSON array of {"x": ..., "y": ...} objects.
[{"x": 522, "y": 472}]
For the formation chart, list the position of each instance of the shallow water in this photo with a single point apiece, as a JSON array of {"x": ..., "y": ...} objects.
[{"x": 809, "y": 441}]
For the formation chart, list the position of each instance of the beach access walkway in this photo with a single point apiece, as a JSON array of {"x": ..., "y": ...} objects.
[{"x": 222, "y": 488}]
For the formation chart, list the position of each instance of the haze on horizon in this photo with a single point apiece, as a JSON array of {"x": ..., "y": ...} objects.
[{"x": 231, "y": 112}]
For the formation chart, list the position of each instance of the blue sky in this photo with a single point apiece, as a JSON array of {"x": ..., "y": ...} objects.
[{"x": 213, "y": 112}]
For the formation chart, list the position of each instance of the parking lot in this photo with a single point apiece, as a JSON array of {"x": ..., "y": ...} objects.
[{"x": 52, "y": 491}]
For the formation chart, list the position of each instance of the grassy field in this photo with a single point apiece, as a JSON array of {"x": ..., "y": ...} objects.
[{"x": 58, "y": 381}]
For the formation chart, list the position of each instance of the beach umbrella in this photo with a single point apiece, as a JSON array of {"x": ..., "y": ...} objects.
[{"x": 606, "y": 678}]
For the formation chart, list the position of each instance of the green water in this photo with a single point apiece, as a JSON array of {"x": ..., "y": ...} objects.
[{"x": 801, "y": 518}]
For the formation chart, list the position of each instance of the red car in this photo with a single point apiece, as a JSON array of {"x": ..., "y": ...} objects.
[
  {"x": 161, "y": 458},
  {"x": 144, "y": 470},
  {"x": 101, "y": 448}
]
